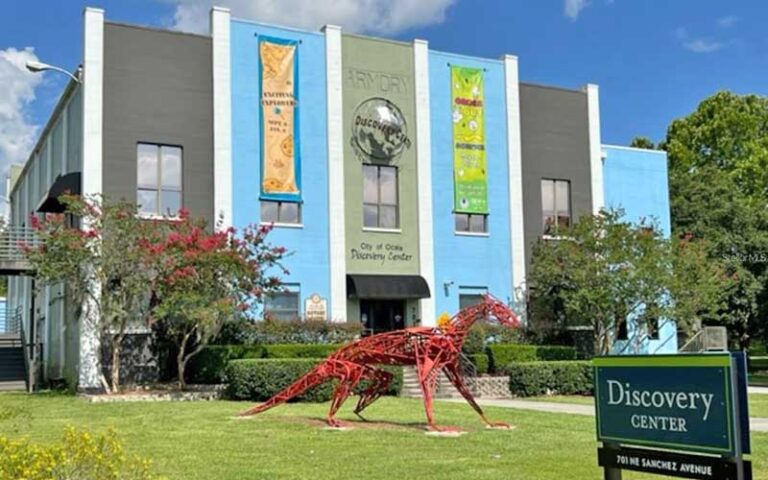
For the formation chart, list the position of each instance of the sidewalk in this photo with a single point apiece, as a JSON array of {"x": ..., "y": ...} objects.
[{"x": 755, "y": 424}]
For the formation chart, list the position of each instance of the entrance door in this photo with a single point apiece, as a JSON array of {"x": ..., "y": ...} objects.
[{"x": 382, "y": 315}]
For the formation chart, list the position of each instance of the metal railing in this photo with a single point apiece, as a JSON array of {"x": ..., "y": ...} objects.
[
  {"x": 13, "y": 239},
  {"x": 10, "y": 320},
  {"x": 709, "y": 339}
]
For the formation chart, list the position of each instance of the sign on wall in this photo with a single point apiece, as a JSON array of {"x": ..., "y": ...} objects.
[
  {"x": 280, "y": 166},
  {"x": 315, "y": 308},
  {"x": 469, "y": 162},
  {"x": 694, "y": 403}
]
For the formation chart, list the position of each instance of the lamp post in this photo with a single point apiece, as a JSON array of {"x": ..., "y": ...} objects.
[{"x": 35, "y": 67}]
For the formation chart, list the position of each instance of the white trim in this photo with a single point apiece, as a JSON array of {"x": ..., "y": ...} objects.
[
  {"x": 424, "y": 179},
  {"x": 515, "y": 169},
  {"x": 93, "y": 90},
  {"x": 633, "y": 149},
  {"x": 595, "y": 148},
  {"x": 282, "y": 225},
  {"x": 382, "y": 230},
  {"x": 472, "y": 234},
  {"x": 336, "y": 221},
  {"x": 222, "y": 117}
]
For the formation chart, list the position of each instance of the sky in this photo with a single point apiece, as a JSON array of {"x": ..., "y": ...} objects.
[{"x": 654, "y": 60}]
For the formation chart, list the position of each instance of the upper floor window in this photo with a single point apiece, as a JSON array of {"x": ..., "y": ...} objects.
[
  {"x": 380, "y": 202},
  {"x": 280, "y": 212},
  {"x": 555, "y": 205},
  {"x": 158, "y": 179},
  {"x": 471, "y": 222}
]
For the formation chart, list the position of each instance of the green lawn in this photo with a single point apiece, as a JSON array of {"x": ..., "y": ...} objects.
[{"x": 201, "y": 440}]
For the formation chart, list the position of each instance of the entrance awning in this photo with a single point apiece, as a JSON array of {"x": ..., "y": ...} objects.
[
  {"x": 388, "y": 287},
  {"x": 68, "y": 183}
]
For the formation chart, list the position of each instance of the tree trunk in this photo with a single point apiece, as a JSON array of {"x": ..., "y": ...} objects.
[
  {"x": 117, "y": 342},
  {"x": 181, "y": 362}
]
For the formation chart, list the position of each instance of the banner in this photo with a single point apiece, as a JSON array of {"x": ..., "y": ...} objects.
[
  {"x": 280, "y": 164},
  {"x": 469, "y": 163}
]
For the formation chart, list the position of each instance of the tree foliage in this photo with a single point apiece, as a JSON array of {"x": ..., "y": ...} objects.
[
  {"x": 604, "y": 270},
  {"x": 642, "y": 142}
]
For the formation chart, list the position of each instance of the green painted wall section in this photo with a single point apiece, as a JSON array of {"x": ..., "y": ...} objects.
[{"x": 374, "y": 68}]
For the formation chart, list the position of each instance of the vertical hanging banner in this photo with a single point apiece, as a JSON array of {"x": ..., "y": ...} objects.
[
  {"x": 280, "y": 165},
  {"x": 469, "y": 163}
]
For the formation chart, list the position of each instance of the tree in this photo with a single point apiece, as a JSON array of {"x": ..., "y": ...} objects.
[
  {"x": 642, "y": 142},
  {"x": 205, "y": 278},
  {"x": 718, "y": 185},
  {"x": 101, "y": 264},
  {"x": 605, "y": 271}
]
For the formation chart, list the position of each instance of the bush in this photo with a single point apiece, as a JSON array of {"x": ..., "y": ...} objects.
[
  {"x": 299, "y": 351},
  {"x": 258, "y": 380},
  {"x": 546, "y": 378},
  {"x": 480, "y": 361},
  {"x": 208, "y": 365},
  {"x": 80, "y": 456},
  {"x": 757, "y": 364},
  {"x": 267, "y": 332},
  {"x": 504, "y": 354}
]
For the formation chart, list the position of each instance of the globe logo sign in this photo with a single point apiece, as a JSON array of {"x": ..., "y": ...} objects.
[{"x": 379, "y": 131}]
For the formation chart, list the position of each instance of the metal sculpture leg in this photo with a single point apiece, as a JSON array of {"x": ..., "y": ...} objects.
[
  {"x": 453, "y": 374},
  {"x": 381, "y": 380},
  {"x": 349, "y": 375},
  {"x": 428, "y": 375}
]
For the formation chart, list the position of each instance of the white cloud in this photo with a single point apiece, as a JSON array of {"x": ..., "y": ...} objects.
[
  {"x": 727, "y": 21},
  {"x": 371, "y": 16},
  {"x": 697, "y": 44},
  {"x": 17, "y": 133},
  {"x": 573, "y": 8}
]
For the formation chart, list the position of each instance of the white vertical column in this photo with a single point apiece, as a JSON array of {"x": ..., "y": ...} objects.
[
  {"x": 93, "y": 89},
  {"x": 222, "y": 117},
  {"x": 595, "y": 148},
  {"x": 515, "y": 168},
  {"x": 336, "y": 217},
  {"x": 424, "y": 178}
]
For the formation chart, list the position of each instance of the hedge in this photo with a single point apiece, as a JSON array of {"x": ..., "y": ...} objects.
[
  {"x": 547, "y": 378},
  {"x": 258, "y": 380},
  {"x": 505, "y": 353},
  {"x": 480, "y": 361},
  {"x": 208, "y": 365},
  {"x": 757, "y": 364},
  {"x": 299, "y": 350}
]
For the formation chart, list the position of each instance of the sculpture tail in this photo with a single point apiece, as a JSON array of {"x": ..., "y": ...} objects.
[{"x": 312, "y": 379}]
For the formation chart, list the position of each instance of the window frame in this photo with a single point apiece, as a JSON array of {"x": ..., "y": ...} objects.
[
  {"x": 469, "y": 231},
  {"x": 279, "y": 222},
  {"x": 554, "y": 230},
  {"x": 289, "y": 289},
  {"x": 379, "y": 204},
  {"x": 159, "y": 187}
]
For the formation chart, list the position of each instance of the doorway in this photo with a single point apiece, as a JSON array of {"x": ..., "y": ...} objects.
[{"x": 379, "y": 316}]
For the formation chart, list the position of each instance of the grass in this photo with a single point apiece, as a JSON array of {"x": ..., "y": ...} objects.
[{"x": 201, "y": 440}]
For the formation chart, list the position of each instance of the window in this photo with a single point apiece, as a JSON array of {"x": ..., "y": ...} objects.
[
  {"x": 653, "y": 328},
  {"x": 471, "y": 222},
  {"x": 622, "y": 333},
  {"x": 280, "y": 212},
  {"x": 283, "y": 305},
  {"x": 158, "y": 179},
  {"x": 469, "y": 296},
  {"x": 380, "y": 209},
  {"x": 555, "y": 205}
]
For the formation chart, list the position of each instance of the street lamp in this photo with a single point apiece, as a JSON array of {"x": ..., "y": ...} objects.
[{"x": 35, "y": 67}]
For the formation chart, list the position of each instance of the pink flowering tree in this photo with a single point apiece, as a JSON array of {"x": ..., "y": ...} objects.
[
  {"x": 94, "y": 249},
  {"x": 206, "y": 278}
]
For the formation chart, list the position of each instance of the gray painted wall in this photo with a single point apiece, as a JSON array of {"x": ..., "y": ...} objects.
[
  {"x": 158, "y": 89},
  {"x": 555, "y": 145}
]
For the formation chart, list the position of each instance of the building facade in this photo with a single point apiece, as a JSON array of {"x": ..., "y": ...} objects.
[{"x": 405, "y": 181}]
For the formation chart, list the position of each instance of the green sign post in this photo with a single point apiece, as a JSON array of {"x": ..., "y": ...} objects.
[{"x": 683, "y": 403}]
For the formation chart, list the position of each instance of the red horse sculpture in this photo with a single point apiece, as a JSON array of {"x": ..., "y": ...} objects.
[{"x": 430, "y": 349}]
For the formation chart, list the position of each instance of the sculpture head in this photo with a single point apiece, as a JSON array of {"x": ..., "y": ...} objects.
[{"x": 494, "y": 309}]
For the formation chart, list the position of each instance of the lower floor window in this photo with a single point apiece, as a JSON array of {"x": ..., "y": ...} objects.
[
  {"x": 283, "y": 305},
  {"x": 280, "y": 212},
  {"x": 471, "y": 222},
  {"x": 470, "y": 296}
]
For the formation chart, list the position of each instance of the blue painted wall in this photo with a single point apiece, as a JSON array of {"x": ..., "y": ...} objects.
[
  {"x": 469, "y": 261},
  {"x": 636, "y": 181},
  {"x": 308, "y": 265}
]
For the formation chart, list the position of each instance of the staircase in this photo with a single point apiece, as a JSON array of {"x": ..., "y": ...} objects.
[
  {"x": 412, "y": 388},
  {"x": 12, "y": 368}
]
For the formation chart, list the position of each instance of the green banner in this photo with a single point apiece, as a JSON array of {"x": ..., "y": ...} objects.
[{"x": 470, "y": 177}]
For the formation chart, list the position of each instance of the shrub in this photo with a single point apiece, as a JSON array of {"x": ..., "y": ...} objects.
[
  {"x": 267, "y": 332},
  {"x": 757, "y": 364},
  {"x": 504, "y": 354},
  {"x": 544, "y": 378},
  {"x": 299, "y": 350},
  {"x": 80, "y": 456},
  {"x": 480, "y": 361},
  {"x": 258, "y": 380},
  {"x": 208, "y": 365}
]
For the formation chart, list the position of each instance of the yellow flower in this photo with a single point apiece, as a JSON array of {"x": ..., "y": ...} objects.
[{"x": 443, "y": 320}]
